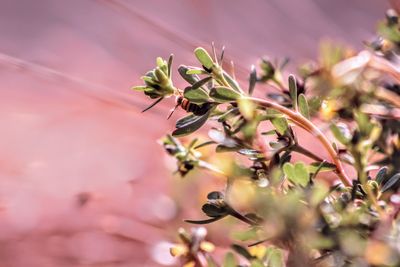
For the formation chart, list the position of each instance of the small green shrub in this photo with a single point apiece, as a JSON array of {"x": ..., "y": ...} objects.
[{"x": 296, "y": 215}]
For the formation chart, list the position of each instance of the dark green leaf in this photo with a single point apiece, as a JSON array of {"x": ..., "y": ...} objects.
[
  {"x": 214, "y": 211},
  {"x": 203, "y": 57},
  {"x": 303, "y": 106},
  {"x": 206, "y": 221},
  {"x": 391, "y": 182},
  {"x": 170, "y": 65},
  {"x": 223, "y": 94},
  {"x": 190, "y": 124},
  {"x": 197, "y": 96},
  {"x": 381, "y": 175},
  {"x": 201, "y": 82},
  {"x": 215, "y": 195},
  {"x": 270, "y": 132},
  {"x": 293, "y": 90},
  {"x": 185, "y": 120},
  {"x": 190, "y": 78},
  {"x": 242, "y": 251},
  {"x": 252, "y": 79}
]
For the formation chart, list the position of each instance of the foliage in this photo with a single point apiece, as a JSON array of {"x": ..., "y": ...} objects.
[{"x": 295, "y": 214}]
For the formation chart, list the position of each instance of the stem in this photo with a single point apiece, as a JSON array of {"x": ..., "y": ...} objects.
[
  {"x": 307, "y": 125},
  {"x": 306, "y": 152},
  {"x": 360, "y": 166}
]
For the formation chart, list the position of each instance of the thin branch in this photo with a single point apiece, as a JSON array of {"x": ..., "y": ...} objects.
[
  {"x": 306, "y": 152},
  {"x": 307, "y": 125}
]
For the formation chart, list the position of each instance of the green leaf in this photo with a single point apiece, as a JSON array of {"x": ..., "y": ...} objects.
[
  {"x": 256, "y": 263},
  {"x": 202, "y": 82},
  {"x": 148, "y": 79},
  {"x": 250, "y": 234},
  {"x": 252, "y": 79},
  {"x": 223, "y": 94},
  {"x": 203, "y": 57},
  {"x": 297, "y": 174},
  {"x": 160, "y": 62},
  {"x": 139, "y": 88},
  {"x": 191, "y": 123},
  {"x": 197, "y": 96},
  {"x": 326, "y": 166},
  {"x": 391, "y": 182},
  {"x": 275, "y": 257},
  {"x": 303, "y": 106},
  {"x": 196, "y": 71},
  {"x": 190, "y": 78},
  {"x": 293, "y": 90},
  {"x": 232, "y": 83},
  {"x": 161, "y": 76},
  {"x": 302, "y": 175},
  {"x": 280, "y": 123},
  {"x": 364, "y": 123},
  {"x": 211, "y": 262},
  {"x": 229, "y": 260},
  {"x": 339, "y": 134},
  {"x": 314, "y": 104}
]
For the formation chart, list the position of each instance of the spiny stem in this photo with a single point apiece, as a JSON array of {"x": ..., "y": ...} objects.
[{"x": 311, "y": 128}]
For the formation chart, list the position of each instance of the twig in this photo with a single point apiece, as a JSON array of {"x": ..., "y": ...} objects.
[{"x": 307, "y": 125}]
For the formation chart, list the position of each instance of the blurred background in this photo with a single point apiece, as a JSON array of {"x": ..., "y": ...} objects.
[{"x": 83, "y": 181}]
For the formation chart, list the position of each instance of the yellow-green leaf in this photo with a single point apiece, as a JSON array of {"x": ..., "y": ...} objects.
[{"x": 203, "y": 57}]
